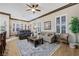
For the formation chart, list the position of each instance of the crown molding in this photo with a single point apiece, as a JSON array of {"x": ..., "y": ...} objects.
[
  {"x": 58, "y": 9},
  {"x": 19, "y": 20},
  {"x": 4, "y": 13}
]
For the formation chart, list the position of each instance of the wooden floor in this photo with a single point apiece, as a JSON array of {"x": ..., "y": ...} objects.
[
  {"x": 64, "y": 50},
  {"x": 11, "y": 49}
]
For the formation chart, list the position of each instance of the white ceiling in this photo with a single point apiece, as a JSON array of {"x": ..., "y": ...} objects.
[{"x": 18, "y": 10}]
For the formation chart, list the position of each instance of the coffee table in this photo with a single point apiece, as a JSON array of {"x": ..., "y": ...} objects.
[{"x": 36, "y": 41}]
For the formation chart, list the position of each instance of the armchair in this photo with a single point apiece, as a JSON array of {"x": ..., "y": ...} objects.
[{"x": 64, "y": 38}]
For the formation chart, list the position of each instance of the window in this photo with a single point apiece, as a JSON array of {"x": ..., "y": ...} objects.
[
  {"x": 63, "y": 29},
  {"x": 17, "y": 27},
  {"x": 39, "y": 27},
  {"x": 61, "y": 24},
  {"x": 58, "y": 29},
  {"x": 58, "y": 20},
  {"x": 63, "y": 20},
  {"x": 58, "y": 24},
  {"x": 25, "y": 26},
  {"x": 21, "y": 26},
  {"x": 13, "y": 27}
]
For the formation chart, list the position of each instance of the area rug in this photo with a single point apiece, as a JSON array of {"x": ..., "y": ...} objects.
[{"x": 27, "y": 48}]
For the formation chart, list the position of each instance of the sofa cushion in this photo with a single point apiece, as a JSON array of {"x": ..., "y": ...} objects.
[{"x": 64, "y": 36}]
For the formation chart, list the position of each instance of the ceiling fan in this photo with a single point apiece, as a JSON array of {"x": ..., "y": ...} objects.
[{"x": 33, "y": 8}]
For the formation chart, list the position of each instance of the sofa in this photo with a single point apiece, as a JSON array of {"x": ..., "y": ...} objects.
[
  {"x": 23, "y": 34},
  {"x": 47, "y": 36}
]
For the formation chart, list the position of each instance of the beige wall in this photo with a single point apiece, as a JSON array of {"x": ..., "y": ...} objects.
[{"x": 69, "y": 12}]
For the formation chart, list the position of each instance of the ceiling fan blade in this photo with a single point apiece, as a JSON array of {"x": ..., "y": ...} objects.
[
  {"x": 33, "y": 6},
  {"x": 28, "y": 5},
  {"x": 36, "y": 5},
  {"x": 28, "y": 9},
  {"x": 38, "y": 10}
]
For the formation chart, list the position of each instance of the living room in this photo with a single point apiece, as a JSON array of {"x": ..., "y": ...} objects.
[{"x": 43, "y": 31}]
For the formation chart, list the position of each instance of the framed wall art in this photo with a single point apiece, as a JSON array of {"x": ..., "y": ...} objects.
[{"x": 47, "y": 25}]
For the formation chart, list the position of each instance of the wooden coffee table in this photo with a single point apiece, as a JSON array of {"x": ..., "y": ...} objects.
[{"x": 36, "y": 41}]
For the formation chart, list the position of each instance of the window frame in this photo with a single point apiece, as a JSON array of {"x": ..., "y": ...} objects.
[
  {"x": 14, "y": 26},
  {"x": 61, "y": 23}
]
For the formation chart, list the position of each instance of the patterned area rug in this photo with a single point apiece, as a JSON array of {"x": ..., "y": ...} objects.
[{"x": 27, "y": 48}]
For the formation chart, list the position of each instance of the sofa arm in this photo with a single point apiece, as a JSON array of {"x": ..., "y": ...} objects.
[{"x": 51, "y": 38}]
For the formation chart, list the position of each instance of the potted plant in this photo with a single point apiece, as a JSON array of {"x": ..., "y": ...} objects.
[{"x": 75, "y": 28}]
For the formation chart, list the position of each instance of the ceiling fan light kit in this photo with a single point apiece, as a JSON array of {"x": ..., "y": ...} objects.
[{"x": 33, "y": 9}]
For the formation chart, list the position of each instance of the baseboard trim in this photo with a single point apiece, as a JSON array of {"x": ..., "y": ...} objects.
[{"x": 10, "y": 39}]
